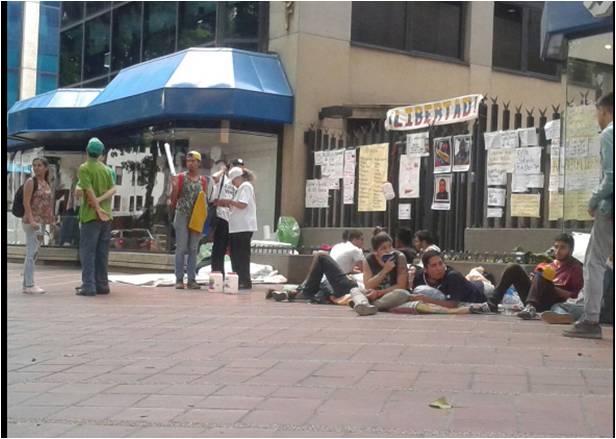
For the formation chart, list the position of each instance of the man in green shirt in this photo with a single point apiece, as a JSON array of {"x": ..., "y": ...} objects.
[
  {"x": 96, "y": 182},
  {"x": 601, "y": 243}
]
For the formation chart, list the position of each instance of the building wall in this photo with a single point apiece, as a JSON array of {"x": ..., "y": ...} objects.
[{"x": 326, "y": 69}]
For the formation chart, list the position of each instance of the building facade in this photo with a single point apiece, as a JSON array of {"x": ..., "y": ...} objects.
[
  {"x": 346, "y": 63},
  {"x": 32, "y": 48}
]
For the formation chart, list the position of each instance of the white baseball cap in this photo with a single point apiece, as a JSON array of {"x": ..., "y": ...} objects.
[{"x": 235, "y": 172}]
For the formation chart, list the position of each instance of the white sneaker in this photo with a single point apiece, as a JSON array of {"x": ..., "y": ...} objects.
[{"x": 33, "y": 290}]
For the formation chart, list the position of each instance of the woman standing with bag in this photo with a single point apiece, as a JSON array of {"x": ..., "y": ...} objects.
[
  {"x": 38, "y": 211},
  {"x": 242, "y": 223}
]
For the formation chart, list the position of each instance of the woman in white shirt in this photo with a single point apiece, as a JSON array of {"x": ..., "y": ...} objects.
[{"x": 242, "y": 223}]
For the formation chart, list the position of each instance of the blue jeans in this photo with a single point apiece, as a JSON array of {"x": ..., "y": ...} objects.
[
  {"x": 186, "y": 242},
  {"x": 32, "y": 246},
  {"x": 94, "y": 240},
  {"x": 429, "y": 292}
]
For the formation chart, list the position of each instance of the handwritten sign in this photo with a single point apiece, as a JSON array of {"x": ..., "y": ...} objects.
[
  {"x": 492, "y": 140},
  {"x": 373, "y": 161},
  {"x": 510, "y": 139},
  {"x": 504, "y": 157},
  {"x": 418, "y": 144},
  {"x": 555, "y": 206},
  {"x": 581, "y": 121},
  {"x": 528, "y": 136},
  {"x": 444, "y": 112},
  {"x": 552, "y": 129},
  {"x": 522, "y": 182},
  {"x": 332, "y": 165},
  {"x": 496, "y": 196},
  {"x": 496, "y": 176},
  {"x": 348, "y": 181},
  {"x": 576, "y": 147},
  {"x": 317, "y": 193},
  {"x": 528, "y": 160},
  {"x": 525, "y": 205},
  {"x": 348, "y": 190},
  {"x": 495, "y": 212},
  {"x": 555, "y": 174},
  {"x": 404, "y": 211},
  {"x": 408, "y": 178}
]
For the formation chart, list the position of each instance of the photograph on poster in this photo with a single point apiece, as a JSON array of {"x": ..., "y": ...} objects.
[
  {"x": 442, "y": 155},
  {"x": 442, "y": 192},
  {"x": 462, "y": 153}
]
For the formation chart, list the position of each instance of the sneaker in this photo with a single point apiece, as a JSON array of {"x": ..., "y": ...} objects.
[
  {"x": 179, "y": 285},
  {"x": 480, "y": 308},
  {"x": 103, "y": 291},
  {"x": 279, "y": 296},
  {"x": 33, "y": 290},
  {"x": 584, "y": 329},
  {"x": 81, "y": 292},
  {"x": 528, "y": 313},
  {"x": 556, "y": 318},
  {"x": 365, "y": 309},
  {"x": 269, "y": 294},
  {"x": 192, "y": 285}
]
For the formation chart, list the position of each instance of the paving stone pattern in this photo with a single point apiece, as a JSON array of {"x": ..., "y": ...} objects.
[{"x": 156, "y": 362}]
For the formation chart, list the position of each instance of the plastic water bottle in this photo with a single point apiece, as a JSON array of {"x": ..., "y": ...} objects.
[{"x": 508, "y": 303}]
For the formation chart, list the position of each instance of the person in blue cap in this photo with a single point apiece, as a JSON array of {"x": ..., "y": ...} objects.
[{"x": 95, "y": 217}]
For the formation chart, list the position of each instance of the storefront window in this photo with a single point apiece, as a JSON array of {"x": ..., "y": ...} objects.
[
  {"x": 197, "y": 24},
  {"x": 70, "y": 55},
  {"x": 97, "y": 46},
  {"x": 159, "y": 29},
  {"x": 126, "y": 35}
]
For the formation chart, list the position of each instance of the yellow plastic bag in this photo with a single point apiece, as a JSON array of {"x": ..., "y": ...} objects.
[{"x": 199, "y": 214}]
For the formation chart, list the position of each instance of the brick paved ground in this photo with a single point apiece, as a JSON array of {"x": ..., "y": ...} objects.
[{"x": 158, "y": 362}]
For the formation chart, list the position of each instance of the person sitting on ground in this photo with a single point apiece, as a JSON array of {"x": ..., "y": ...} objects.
[
  {"x": 442, "y": 285},
  {"x": 385, "y": 278},
  {"x": 424, "y": 241},
  {"x": 549, "y": 284},
  {"x": 404, "y": 244},
  {"x": 345, "y": 257}
]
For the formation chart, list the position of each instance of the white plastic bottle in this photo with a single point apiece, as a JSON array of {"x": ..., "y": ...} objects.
[
  {"x": 216, "y": 282},
  {"x": 231, "y": 283}
]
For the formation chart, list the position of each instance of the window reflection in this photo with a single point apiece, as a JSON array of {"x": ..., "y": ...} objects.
[
  {"x": 241, "y": 20},
  {"x": 197, "y": 24},
  {"x": 126, "y": 35},
  {"x": 70, "y": 55},
  {"x": 159, "y": 29},
  {"x": 71, "y": 12},
  {"x": 97, "y": 53}
]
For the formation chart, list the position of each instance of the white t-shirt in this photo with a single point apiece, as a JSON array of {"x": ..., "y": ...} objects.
[
  {"x": 346, "y": 255},
  {"x": 227, "y": 193},
  {"x": 244, "y": 220}
]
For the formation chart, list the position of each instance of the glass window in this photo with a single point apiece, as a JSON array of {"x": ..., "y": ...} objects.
[
  {"x": 117, "y": 202},
  {"x": 131, "y": 203},
  {"x": 94, "y": 7},
  {"x": 139, "y": 202},
  {"x": 445, "y": 16},
  {"x": 379, "y": 23},
  {"x": 197, "y": 24},
  {"x": 15, "y": 12},
  {"x": 534, "y": 62},
  {"x": 159, "y": 29},
  {"x": 241, "y": 20},
  {"x": 119, "y": 172},
  {"x": 12, "y": 85},
  {"x": 48, "y": 41},
  {"x": 96, "y": 51},
  {"x": 46, "y": 82},
  {"x": 71, "y": 12},
  {"x": 70, "y": 55},
  {"x": 507, "y": 46},
  {"x": 126, "y": 38}
]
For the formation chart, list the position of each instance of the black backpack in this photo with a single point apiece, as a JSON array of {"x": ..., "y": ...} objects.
[{"x": 18, "y": 201}]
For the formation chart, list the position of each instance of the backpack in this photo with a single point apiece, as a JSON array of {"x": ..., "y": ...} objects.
[{"x": 18, "y": 201}]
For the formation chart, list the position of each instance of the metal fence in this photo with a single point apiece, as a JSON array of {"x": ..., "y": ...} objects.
[{"x": 469, "y": 189}]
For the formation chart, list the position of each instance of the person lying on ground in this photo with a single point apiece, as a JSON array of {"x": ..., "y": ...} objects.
[
  {"x": 347, "y": 256},
  {"x": 442, "y": 285},
  {"x": 547, "y": 285},
  {"x": 385, "y": 278}
]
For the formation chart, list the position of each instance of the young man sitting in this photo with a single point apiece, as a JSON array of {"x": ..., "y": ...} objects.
[
  {"x": 424, "y": 241},
  {"x": 404, "y": 244},
  {"x": 441, "y": 285},
  {"x": 547, "y": 285},
  {"x": 328, "y": 272}
]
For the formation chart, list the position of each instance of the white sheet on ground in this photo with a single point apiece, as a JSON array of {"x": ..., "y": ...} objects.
[{"x": 260, "y": 274}]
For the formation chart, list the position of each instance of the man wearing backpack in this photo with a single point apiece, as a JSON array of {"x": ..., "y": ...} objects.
[
  {"x": 185, "y": 189},
  {"x": 95, "y": 181}
]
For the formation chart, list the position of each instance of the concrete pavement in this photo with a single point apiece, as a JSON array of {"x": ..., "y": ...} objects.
[{"x": 156, "y": 362}]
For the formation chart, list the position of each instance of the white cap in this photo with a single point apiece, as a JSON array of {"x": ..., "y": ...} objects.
[{"x": 235, "y": 172}]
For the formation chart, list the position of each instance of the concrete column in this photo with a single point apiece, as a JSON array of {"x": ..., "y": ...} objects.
[{"x": 29, "y": 55}]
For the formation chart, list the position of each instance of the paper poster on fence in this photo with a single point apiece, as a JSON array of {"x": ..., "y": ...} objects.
[
  {"x": 442, "y": 192},
  {"x": 555, "y": 206},
  {"x": 576, "y": 205},
  {"x": 522, "y": 182},
  {"x": 408, "y": 177},
  {"x": 492, "y": 140},
  {"x": 373, "y": 161},
  {"x": 510, "y": 139},
  {"x": 525, "y": 205},
  {"x": 317, "y": 193},
  {"x": 332, "y": 164},
  {"x": 404, "y": 211},
  {"x": 418, "y": 144},
  {"x": 495, "y": 212},
  {"x": 581, "y": 121},
  {"x": 496, "y": 196},
  {"x": 555, "y": 174},
  {"x": 350, "y": 159},
  {"x": 528, "y": 160},
  {"x": 348, "y": 190},
  {"x": 552, "y": 129},
  {"x": 528, "y": 136},
  {"x": 496, "y": 176},
  {"x": 504, "y": 157},
  {"x": 442, "y": 155},
  {"x": 414, "y": 117},
  {"x": 348, "y": 181},
  {"x": 462, "y": 153}
]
